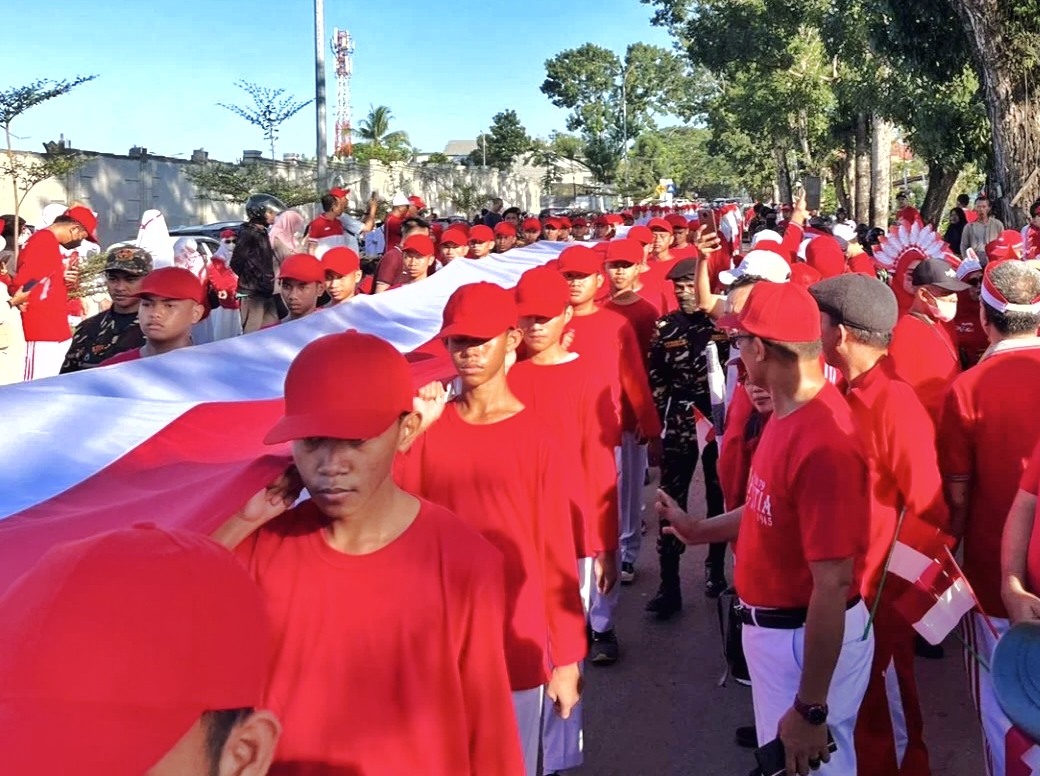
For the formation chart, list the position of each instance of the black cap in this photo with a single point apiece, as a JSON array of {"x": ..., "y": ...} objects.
[
  {"x": 858, "y": 301},
  {"x": 684, "y": 268},
  {"x": 936, "y": 272}
]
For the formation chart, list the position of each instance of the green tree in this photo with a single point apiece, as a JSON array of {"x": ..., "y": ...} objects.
[
  {"x": 269, "y": 109},
  {"x": 505, "y": 141},
  {"x": 15, "y": 101},
  {"x": 375, "y": 130},
  {"x": 437, "y": 158},
  {"x": 682, "y": 154},
  {"x": 237, "y": 182},
  {"x": 466, "y": 198}
]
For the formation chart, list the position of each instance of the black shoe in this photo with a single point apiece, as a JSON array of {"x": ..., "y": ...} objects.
[
  {"x": 714, "y": 581},
  {"x": 628, "y": 573},
  {"x": 928, "y": 651},
  {"x": 666, "y": 604},
  {"x": 747, "y": 737},
  {"x": 604, "y": 650}
]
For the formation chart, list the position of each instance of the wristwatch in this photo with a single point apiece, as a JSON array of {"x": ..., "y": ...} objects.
[{"x": 813, "y": 713}]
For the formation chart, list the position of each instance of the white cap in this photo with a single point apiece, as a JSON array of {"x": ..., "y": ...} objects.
[
  {"x": 844, "y": 234},
  {"x": 765, "y": 234},
  {"x": 399, "y": 200},
  {"x": 764, "y": 264}
]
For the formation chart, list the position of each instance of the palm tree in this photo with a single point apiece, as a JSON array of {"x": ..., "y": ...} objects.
[{"x": 375, "y": 130}]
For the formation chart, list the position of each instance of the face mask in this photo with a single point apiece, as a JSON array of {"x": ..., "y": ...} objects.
[{"x": 943, "y": 310}]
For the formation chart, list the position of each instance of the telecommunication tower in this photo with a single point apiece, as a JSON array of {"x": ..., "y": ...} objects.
[{"x": 343, "y": 48}]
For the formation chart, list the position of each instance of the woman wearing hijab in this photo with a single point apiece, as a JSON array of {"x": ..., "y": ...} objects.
[
  {"x": 186, "y": 255},
  {"x": 221, "y": 284},
  {"x": 154, "y": 237},
  {"x": 958, "y": 220},
  {"x": 288, "y": 226}
]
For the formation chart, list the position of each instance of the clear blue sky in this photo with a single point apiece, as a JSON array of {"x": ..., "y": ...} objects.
[{"x": 443, "y": 68}]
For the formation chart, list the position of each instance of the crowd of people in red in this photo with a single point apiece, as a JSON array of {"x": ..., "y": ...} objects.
[{"x": 432, "y": 603}]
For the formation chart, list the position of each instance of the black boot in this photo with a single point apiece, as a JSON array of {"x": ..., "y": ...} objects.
[
  {"x": 715, "y": 571},
  {"x": 668, "y": 601}
]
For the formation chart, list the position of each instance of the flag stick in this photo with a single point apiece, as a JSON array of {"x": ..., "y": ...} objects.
[
  {"x": 971, "y": 650},
  {"x": 884, "y": 575}
]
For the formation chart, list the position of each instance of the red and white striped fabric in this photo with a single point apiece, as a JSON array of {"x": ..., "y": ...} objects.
[
  {"x": 992, "y": 296},
  {"x": 940, "y": 594},
  {"x": 177, "y": 439}
]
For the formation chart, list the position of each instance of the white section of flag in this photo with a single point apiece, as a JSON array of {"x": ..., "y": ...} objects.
[
  {"x": 939, "y": 621},
  {"x": 908, "y": 563}
]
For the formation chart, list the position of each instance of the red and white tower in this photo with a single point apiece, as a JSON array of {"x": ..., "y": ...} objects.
[{"x": 343, "y": 48}]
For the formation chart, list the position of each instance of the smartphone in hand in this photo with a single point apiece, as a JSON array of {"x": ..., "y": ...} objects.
[
  {"x": 772, "y": 759},
  {"x": 706, "y": 216}
]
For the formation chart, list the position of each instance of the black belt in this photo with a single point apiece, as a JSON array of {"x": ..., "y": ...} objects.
[{"x": 778, "y": 619}]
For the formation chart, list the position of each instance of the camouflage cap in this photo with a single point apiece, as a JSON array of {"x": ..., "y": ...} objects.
[{"x": 128, "y": 259}]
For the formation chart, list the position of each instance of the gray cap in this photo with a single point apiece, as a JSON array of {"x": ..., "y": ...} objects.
[{"x": 858, "y": 301}]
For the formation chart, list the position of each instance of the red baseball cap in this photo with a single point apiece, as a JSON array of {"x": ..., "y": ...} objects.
[
  {"x": 1007, "y": 246},
  {"x": 805, "y": 275},
  {"x": 417, "y": 201},
  {"x": 781, "y": 312},
  {"x": 565, "y": 222},
  {"x": 601, "y": 221},
  {"x": 542, "y": 292},
  {"x": 461, "y": 226},
  {"x": 615, "y": 219},
  {"x": 481, "y": 234},
  {"x": 530, "y": 225},
  {"x": 85, "y": 217},
  {"x": 302, "y": 267},
  {"x": 118, "y": 643},
  {"x": 454, "y": 237},
  {"x": 580, "y": 260},
  {"x": 580, "y": 222},
  {"x": 505, "y": 229},
  {"x": 824, "y": 254},
  {"x": 316, "y": 404},
  {"x": 419, "y": 243},
  {"x": 228, "y": 234},
  {"x": 479, "y": 310},
  {"x": 552, "y": 223},
  {"x": 341, "y": 260},
  {"x": 660, "y": 224},
  {"x": 640, "y": 234},
  {"x": 677, "y": 221},
  {"x": 339, "y": 193},
  {"x": 173, "y": 283},
  {"x": 625, "y": 250}
]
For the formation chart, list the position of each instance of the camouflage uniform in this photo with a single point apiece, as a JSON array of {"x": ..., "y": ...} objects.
[
  {"x": 108, "y": 334},
  {"x": 678, "y": 373}
]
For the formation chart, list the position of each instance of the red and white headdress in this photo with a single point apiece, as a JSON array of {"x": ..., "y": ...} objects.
[
  {"x": 916, "y": 243},
  {"x": 991, "y": 296}
]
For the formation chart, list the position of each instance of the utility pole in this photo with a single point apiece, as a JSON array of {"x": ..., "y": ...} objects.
[
  {"x": 319, "y": 93},
  {"x": 483, "y": 139}
]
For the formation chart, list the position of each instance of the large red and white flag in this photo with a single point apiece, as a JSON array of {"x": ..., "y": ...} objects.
[
  {"x": 178, "y": 439},
  {"x": 939, "y": 594}
]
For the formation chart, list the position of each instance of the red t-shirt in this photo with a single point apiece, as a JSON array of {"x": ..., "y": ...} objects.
[
  {"x": 46, "y": 317},
  {"x": 392, "y": 231},
  {"x": 390, "y": 268},
  {"x": 972, "y": 341},
  {"x": 862, "y": 264},
  {"x": 899, "y": 438},
  {"x": 909, "y": 215},
  {"x": 924, "y": 357},
  {"x": 808, "y": 500},
  {"x": 386, "y": 663},
  {"x": 574, "y": 398},
  {"x": 989, "y": 428},
  {"x": 506, "y": 480},
  {"x": 122, "y": 358},
  {"x": 322, "y": 227},
  {"x": 1031, "y": 484},
  {"x": 610, "y": 342}
]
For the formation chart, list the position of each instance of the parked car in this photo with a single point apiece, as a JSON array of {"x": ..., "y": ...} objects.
[{"x": 209, "y": 231}]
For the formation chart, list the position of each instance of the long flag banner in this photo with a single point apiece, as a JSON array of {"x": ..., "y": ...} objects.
[{"x": 177, "y": 439}]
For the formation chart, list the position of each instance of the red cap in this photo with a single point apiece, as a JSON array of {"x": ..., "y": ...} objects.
[
  {"x": 640, "y": 234},
  {"x": 781, "y": 312},
  {"x": 626, "y": 214},
  {"x": 542, "y": 292},
  {"x": 625, "y": 250},
  {"x": 552, "y": 223},
  {"x": 228, "y": 234},
  {"x": 581, "y": 260},
  {"x": 454, "y": 237},
  {"x": 601, "y": 221},
  {"x": 804, "y": 275},
  {"x": 84, "y": 217},
  {"x": 302, "y": 267},
  {"x": 479, "y": 310},
  {"x": 677, "y": 221},
  {"x": 580, "y": 222},
  {"x": 461, "y": 226},
  {"x": 825, "y": 255},
  {"x": 1007, "y": 246},
  {"x": 419, "y": 243},
  {"x": 481, "y": 234},
  {"x": 339, "y": 193},
  {"x": 121, "y": 641},
  {"x": 316, "y": 405},
  {"x": 615, "y": 219},
  {"x": 341, "y": 260},
  {"x": 173, "y": 283},
  {"x": 661, "y": 224},
  {"x": 417, "y": 201},
  {"x": 505, "y": 229},
  {"x": 530, "y": 225},
  {"x": 565, "y": 222}
]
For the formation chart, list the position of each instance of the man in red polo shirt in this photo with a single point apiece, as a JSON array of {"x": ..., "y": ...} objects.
[
  {"x": 492, "y": 461},
  {"x": 172, "y": 301},
  {"x": 303, "y": 282},
  {"x": 505, "y": 237},
  {"x": 326, "y": 231},
  {"x": 858, "y": 314},
  {"x": 987, "y": 433},
  {"x": 41, "y": 273},
  {"x": 801, "y": 539},
  {"x": 342, "y": 274},
  {"x": 923, "y": 352},
  {"x": 387, "y": 610},
  {"x": 400, "y": 209},
  {"x": 481, "y": 241}
]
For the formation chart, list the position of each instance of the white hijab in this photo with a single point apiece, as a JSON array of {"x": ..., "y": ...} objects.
[
  {"x": 154, "y": 237},
  {"x": 186, "y": 254}
]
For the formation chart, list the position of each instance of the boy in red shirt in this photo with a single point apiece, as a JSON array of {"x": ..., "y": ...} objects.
[
  {"x": 172, "y": 301},
  {"x": 41, "y": 273},
  {"x": 387, "y": 610},
  {"x": 481, "y": 241},
  {"x": 342, "y": 274},
  {"x": 801, "y": 539},
  {"x": 628, "y": 296},
  {"x": 497, "y": 465},
  {"x": 418, "y": 253},
  {"x": 303, "y": 281},
  {"x": 505, "y": 237}
]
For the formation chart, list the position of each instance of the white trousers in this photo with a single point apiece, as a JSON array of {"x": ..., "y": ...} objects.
[
  {"x": 631, "y": 466},
  {"x": 44, "y": 359},
  {"x": 1008, "y": 751},
  {"x": 528, "y": 707},
  {"x": 775, "y": 660}
]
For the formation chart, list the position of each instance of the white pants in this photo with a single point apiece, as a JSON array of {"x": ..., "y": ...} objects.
[
  {"x": 44, "y": 359},
  {"x": 528, "y": 707},
  {"x": 631, "y": 466},
  {"x": 775, "y": 660},
  {"x": 1008, "y": 751}
]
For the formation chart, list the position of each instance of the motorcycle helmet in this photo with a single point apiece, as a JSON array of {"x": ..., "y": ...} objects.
[{"x": 258, "y": 205}]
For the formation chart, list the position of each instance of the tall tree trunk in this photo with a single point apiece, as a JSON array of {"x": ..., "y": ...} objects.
[
  {"x": 1013, "y": 104},
  {"x": 840, "y": 171},
  {"x": 783, "y": 173},
  {"x": 881, "y": 172},
  {"x": 862, "y": 162},
  {"x": 940, "y": 183}
]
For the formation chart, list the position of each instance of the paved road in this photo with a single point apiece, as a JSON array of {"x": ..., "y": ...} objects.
[{"x": 660, "y": 712}]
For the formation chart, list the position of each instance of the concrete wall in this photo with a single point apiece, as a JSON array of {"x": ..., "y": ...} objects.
[{"x": 121, "y": 188}]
